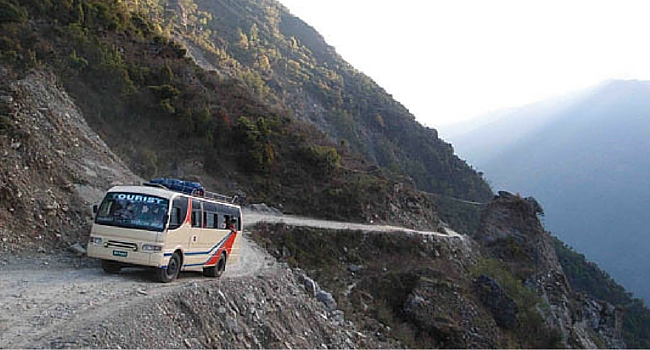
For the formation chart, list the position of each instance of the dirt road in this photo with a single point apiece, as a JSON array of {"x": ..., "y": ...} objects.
[
  {"x": 251, "y": 218},
  {"x": 40, "y": 297}
]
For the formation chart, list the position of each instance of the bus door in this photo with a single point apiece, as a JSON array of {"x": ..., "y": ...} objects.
[
  {"x": 195, "y": 245},
  {"x": 177, "y": 230}
]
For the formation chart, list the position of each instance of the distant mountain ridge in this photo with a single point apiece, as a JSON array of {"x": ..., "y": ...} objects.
[{"x": 587, "y": 163}]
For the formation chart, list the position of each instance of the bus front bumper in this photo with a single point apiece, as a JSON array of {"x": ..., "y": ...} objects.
[{"x": 126, "y": 255}]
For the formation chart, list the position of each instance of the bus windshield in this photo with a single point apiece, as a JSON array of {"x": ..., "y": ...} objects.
[{"x": 133, "y": 210}]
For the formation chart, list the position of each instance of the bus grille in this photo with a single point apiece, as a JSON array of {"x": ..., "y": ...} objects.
[{"x": 119, "y": 244}]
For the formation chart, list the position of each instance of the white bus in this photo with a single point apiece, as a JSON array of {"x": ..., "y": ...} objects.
[{"x": 168, "y": 230}]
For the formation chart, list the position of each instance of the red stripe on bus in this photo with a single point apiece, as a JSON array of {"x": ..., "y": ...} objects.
[
  {"x": 230, "y": 242},
  {"x": 227, "y": 246},
  {"x": 188, "y": 215}
]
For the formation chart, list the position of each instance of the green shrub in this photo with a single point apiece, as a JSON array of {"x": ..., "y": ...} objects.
[
  {"x": 533, "y": 331},
  {"x": 165, "y": 92},
  {"x": 326, "y": 157},
  {"x": 167, "y": 107},
  {"x": 12, "y": 12},
  {"x": 257, "y": 151},
  {"x": 77, "y": 63},
  {"x": 147, "y": 162}
]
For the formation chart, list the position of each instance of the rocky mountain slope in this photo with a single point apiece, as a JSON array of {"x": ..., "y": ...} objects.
[
  {"x": 165, "y": 116},
  {"x": 503, "y": 287},
  {"x": 53, "y": 166},
  {"x": 511, "y": 232},
  {"x": 288, "y": 63}
]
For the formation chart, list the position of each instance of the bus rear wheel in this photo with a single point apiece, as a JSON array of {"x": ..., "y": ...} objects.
[
  {"x": 216, "y": 270},
  {"x": 170, "y": 272}
]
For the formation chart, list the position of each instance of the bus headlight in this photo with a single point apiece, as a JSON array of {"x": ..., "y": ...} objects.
[
  {"x": 151, "y": 248},
  {"x": 95, "y": 240}
]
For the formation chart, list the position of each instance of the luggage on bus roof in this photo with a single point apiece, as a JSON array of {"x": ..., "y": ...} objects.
[{"x": 188, "y": 187}]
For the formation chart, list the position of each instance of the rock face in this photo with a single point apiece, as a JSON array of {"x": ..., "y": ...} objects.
[
  {"x": 604, "y": 319},
  {"x": 511, "y": 232},
  {"x": 447, "y": 313},
  {"x": 502, "y": 307},
  {"x": 450, "y": 292},
  {"x": 327, "y": 299},
  {"x": 53, "y": 167}
]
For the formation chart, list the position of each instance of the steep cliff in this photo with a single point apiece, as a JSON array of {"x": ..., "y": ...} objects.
[
  {"x": 590, "y": 178},
  {"x": 511, "y": 232},
  {"x": 503, "y": 287}
]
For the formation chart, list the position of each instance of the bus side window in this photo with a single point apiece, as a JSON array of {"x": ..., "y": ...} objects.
[
  {"x": 196, "y": 213},
  {"x": 175, "y": 218},
  {"x": 196, "y": 218},
  {"x": 209, "y": 220},
  {"x": 178, "y": 213},
  {"x": 106, "y": 208}
]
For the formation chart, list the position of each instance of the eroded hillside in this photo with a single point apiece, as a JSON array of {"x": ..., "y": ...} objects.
[
  {"x": 53, "y": 166},
  {"x": 502, "y": 288}
]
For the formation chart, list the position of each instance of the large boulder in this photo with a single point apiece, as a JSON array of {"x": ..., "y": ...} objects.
[
  {"x": 502, "y": 307},
  {"x": 327, "y": 299}
]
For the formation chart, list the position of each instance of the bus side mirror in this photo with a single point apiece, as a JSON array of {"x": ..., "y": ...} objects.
[{"x": 95, "y": 208}]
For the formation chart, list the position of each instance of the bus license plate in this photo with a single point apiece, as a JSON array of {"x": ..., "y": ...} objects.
[{"x": 120, "y": 253}]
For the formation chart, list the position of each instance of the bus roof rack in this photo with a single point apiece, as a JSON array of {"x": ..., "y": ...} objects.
[
  {"x": 188, "y": 187},
  {"x": 218, "y": 196}
]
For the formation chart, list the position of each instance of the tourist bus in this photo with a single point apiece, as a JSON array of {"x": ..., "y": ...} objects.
[{"x": 172, "y": 231}]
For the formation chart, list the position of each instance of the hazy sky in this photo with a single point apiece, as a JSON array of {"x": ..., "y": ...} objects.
[{"x": 451, "y": 60}]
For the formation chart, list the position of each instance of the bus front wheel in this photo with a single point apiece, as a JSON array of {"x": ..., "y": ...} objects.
[
  {"x": 216, "y": 270},
  {"x": 111, "y": 267},
  {"x": 170, "y": 272}
]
